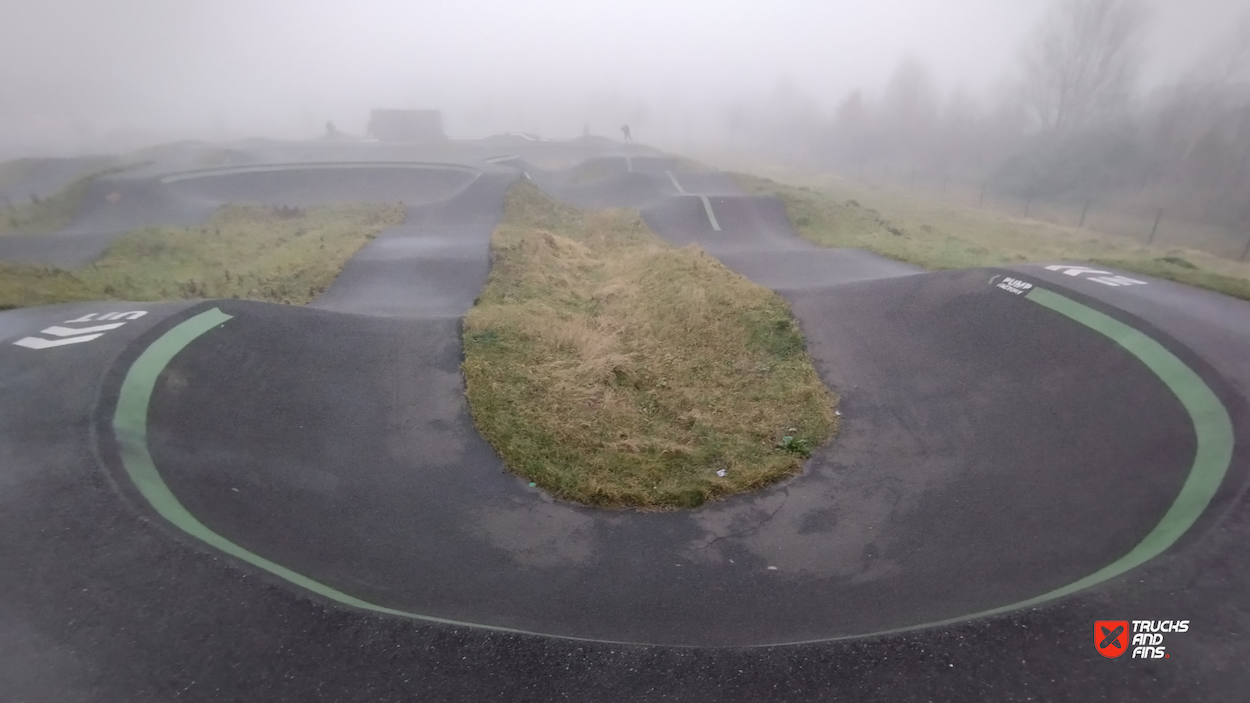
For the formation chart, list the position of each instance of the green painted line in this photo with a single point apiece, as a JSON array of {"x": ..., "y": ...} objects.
[
  {"x": 130, "y": 426},
  {"x": 1212, "y": 425}
]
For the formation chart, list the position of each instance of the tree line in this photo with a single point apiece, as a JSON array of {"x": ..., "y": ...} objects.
[{"x": 1070, "y": 121}]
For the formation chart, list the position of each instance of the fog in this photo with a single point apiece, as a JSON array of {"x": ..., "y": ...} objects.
[{"x": 81, "y": 76}]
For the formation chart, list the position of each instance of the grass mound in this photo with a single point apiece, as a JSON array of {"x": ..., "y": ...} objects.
[
  {"x": 280, "y": 255},
  {"x": 614, "y": 370},
  {"x": 941, "y": 235},
  {"x": 43, "y": 215}
]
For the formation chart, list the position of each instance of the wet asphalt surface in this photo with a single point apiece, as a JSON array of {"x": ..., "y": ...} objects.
[{"x": 991, "y": 451}]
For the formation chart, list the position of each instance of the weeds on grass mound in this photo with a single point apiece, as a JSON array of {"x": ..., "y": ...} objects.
[
  {"x": 253, "y": 252},
  {"x": 614, "y": 370}
]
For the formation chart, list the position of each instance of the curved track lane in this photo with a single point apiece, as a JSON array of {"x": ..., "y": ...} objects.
[{"x": 999, "y": 451}]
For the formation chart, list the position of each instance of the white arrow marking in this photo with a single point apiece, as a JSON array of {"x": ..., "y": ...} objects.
[
  {"x": 67, "y": 331},
  {"x": 41, "y": 343}
]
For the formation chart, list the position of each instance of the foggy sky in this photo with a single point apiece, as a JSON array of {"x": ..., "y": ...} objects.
[{"x": 73, "y": 71}]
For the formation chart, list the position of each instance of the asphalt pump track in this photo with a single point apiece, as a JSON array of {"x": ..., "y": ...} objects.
[{"x": 211, "y": 498}]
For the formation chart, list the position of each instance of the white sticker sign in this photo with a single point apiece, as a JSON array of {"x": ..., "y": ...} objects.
[{"x": 1014, "y": 286}]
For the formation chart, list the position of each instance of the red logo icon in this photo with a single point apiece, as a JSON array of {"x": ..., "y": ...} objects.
[{"x": 1111, "y": 637}]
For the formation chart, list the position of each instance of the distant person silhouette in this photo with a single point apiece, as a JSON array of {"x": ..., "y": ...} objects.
[{"x": 625, "y": 131}]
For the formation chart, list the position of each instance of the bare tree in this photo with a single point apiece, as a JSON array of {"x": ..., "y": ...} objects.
[{"x": 1080, "y": 67}]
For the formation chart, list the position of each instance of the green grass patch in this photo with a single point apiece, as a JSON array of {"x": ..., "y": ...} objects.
[
  {"x": 280, "y": 255},
  {"x": 936, "y": 234},
  {"x": 614, "y": 370},
  {"x": 44, "y": 215}
]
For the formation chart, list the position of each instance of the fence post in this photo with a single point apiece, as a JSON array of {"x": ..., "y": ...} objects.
[
  {"x": 1083, "y": 211},
  {"x": 1158, "y": 216}
]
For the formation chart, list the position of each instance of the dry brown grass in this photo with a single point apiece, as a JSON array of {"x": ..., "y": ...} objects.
[
  {"x": 614, "y": 370},
  {"x": 244, "y": 251},
  {"x": 936, "y": 234}
]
